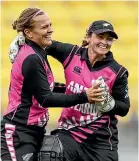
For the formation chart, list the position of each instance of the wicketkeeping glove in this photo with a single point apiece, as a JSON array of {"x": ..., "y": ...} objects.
[
  {"x": 14, "y": 47},
  {"x": 109, "y": 102}
]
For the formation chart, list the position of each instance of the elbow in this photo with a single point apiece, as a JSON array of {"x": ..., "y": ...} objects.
[
  {"x": 122, "y": 108},
  {"x": 45, "y": 100},
  {"x": 124, "y": 112}
]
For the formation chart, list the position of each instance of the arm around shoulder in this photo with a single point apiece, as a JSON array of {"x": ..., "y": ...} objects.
[
  {"x": 36, "y": 79},
  {"x": 59, "y": 50}
]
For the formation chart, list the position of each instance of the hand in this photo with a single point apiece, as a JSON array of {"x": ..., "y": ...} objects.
[
  {"x": 94, "y": 94},
  {"x": 14, "y": 47}
]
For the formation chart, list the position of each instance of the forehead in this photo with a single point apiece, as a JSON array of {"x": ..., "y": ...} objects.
[
  {"x": 42, "y": 19},
  {"x": 105, "y": 34}
]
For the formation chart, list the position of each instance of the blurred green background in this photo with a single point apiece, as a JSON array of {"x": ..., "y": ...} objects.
[{"x": 70, "y": 20}]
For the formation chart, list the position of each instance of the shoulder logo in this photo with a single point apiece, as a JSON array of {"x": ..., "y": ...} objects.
[{"x": 126, "y": 92}]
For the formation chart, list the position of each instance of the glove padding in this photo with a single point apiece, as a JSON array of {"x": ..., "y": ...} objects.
[
  {"x": 109, "y": 102},
  {"x": 15, "y": 47}
]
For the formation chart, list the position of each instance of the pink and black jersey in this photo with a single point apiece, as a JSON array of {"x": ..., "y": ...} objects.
[
  {"x": 31, "y": 85},
  {"x": 85, "y": 122}
]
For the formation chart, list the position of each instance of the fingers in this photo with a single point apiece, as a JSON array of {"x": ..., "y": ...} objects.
[
  {"x": 96, "y": 95},
  {"x": 99, "y": 99},
  {"x": 93, "y": 100},
  {"x": 99, "y": 90},
  {"x": 99, "y": 94}
]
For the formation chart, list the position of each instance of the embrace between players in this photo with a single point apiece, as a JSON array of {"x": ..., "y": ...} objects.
[{"x": 96, "y": 90}]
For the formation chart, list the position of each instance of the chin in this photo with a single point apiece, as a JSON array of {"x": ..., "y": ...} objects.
[
  {"x": 47, "y": 43},
  {"x": 102, "y": 52}
]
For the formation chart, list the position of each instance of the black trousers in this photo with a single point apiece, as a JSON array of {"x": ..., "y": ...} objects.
[
  {"x": 19, "y": 143},
  {"x": 74, "y": 151}
]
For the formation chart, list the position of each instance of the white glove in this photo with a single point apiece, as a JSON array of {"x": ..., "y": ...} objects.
[
  {"x": 102, "y": 85},
  {"x": 14, "y": 47},
  {"x": 109, "y": 102}
]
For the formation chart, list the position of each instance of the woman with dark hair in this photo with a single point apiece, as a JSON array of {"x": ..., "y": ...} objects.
[{"x": 89, "y": 132}]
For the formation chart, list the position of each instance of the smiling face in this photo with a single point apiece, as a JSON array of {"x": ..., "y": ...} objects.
[
  {"x": 41, "y": 30},
  {"x": 100, "y": 43}
]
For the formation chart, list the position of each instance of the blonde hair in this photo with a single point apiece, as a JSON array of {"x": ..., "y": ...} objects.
[{"x": 25, "y": 19}]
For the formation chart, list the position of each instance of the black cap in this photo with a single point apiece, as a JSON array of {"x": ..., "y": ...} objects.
[{"x": 102, "y": 26}]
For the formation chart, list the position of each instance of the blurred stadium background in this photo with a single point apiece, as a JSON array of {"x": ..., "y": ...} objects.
[{"x": 70, "y": 20}]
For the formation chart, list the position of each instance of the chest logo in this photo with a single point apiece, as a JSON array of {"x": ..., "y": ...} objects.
[{"x": 77, "y": 70}]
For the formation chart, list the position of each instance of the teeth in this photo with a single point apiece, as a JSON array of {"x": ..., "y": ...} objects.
[{"x": 103, "y": 47}]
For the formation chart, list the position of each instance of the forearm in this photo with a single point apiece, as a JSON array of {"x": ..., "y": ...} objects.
[
  {"x": 63, "y": 100},
  {"x": 59, "y": 87},
  {"x": 121, "y": 108},
  {"x": 120, "y": 94}
]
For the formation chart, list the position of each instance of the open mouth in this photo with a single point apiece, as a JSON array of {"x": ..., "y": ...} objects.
[{"x": 102, "y": 47}]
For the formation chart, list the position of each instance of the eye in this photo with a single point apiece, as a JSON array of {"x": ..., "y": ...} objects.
[
  {"x": 46, "y": 26},
  {"x": 110, "y": 39},
  {"x": 100, "y": 36}
]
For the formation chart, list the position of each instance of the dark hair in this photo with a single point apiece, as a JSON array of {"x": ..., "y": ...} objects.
[
  {"x": 84, "y": 42},
  {"x": 25, "y": 19}
]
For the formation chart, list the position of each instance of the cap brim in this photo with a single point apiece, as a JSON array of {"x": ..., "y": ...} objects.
[{"x": 113, "y": 34}]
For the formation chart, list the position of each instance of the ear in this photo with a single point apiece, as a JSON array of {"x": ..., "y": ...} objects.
[
  {"x": 88, "y": 37},
  {"x": 28, "y": 33}
]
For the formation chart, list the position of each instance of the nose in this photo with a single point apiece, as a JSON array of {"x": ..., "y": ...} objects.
[
  {"x": 50, "y": 29},
  {"x": 104, "y": 41}
]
